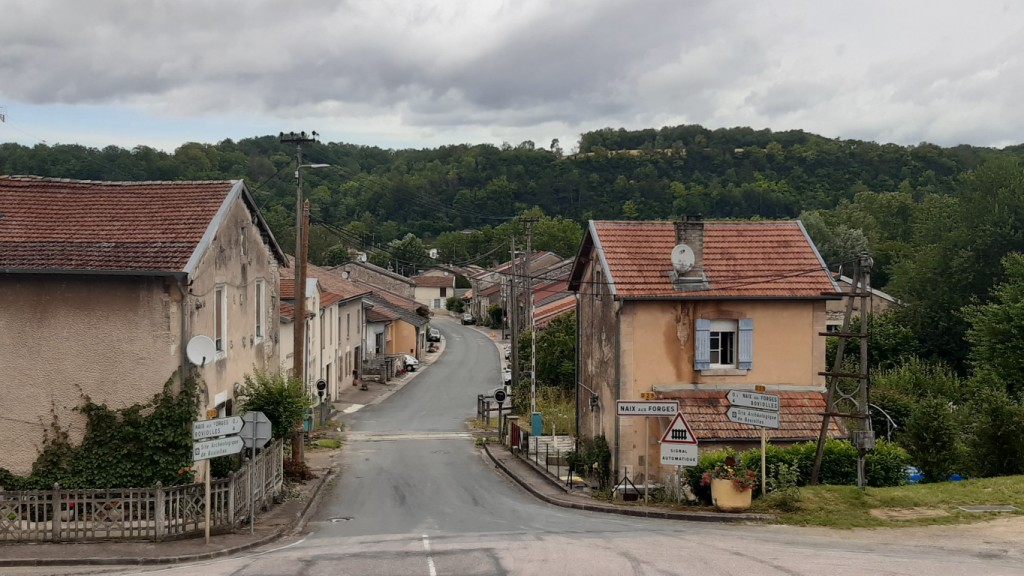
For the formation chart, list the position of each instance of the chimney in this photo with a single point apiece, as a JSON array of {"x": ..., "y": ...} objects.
[{"x": 690, "y": 232}]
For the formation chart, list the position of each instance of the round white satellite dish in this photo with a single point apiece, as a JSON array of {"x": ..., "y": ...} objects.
[
  {"x": 200, "y": 350},
  {"x": 682, "y": 258}
]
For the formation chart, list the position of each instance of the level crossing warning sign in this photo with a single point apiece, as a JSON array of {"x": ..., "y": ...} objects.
[{"x": 679, "y": 432}]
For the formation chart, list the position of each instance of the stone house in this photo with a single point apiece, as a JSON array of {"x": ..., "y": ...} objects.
[
  {"x": 739, "y": 307},
  {"x": 377, "y": 277},
  {"x": 103, "y": 285}
]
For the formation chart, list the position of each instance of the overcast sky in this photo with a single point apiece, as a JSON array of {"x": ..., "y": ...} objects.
[{"x": 403, "y": 73}]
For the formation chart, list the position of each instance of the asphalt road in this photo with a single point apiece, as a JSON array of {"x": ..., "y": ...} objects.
[{"x": 415, "y": 497}]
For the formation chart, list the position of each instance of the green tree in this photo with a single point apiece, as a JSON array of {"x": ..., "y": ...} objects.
[
  {"x": 996, "y": 332},
  {"x": 556, "y": 353}
]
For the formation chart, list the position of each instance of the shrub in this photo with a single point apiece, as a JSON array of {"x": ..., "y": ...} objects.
[
  {"x": 932, "y": 440},
  {"x": 781, "y": 486},
  {"x": 695, "y": 474},
  {"x": 593, "y": 460},
  {"x": 884, "y": 465},
  {"x": 280, "y": 397},
  {"x": 454, "y": 304},
  {"x": 996, "y": 438}
]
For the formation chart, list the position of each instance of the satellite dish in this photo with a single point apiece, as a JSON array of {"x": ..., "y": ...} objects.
[
  {"x": 682, "y": 258},
  {"x": 200, "y": 350}
]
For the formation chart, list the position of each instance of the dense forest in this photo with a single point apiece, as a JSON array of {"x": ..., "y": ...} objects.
[{"x": 944, "y": 226}]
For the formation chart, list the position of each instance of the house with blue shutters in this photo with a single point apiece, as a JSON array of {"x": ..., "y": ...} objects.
[{"x": 688, "y": 311}]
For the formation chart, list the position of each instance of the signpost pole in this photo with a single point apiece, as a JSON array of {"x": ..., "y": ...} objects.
[
  {"x": 764, "y": 442},
  {"x": 647, "y": 454},
  {"x": 252, "y": 490},
  {"x": 207, "y": 502}
]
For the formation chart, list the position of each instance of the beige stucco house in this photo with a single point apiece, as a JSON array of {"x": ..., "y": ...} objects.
[
  {"x": 103, "y": 284},
  {"x": 740, "y": 307},
  {"x": 434, "y": 287}
]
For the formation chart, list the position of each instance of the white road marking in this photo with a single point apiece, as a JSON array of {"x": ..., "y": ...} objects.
[
  {"x": 353, "y": 408},
  {"x": 430, "y": 560},
  {"x": 388, "y": 436},
  {"x": 187, "y": 567}
]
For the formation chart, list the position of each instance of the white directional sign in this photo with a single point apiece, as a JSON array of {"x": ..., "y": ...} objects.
[
  {"x": 679, "y": 454},
  {"x": 646, "y": 408},
  {"x": 217, "y": 447},
  {"x": 216, "y": 427},
  {"x": 679, "y": 432},
  {"x": 757, "y": 400},
  {"x": 761, "y": 418}
]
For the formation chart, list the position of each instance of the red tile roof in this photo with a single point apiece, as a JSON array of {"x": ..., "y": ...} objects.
[
  {"x": 380, "y": 314},
  {"x": 799, "y": 416},
  {"x": 741, "y": 260},
  {"x": 330, "y": 280},
  {"x": 543, "y": 315},
  {"x": 80, "y": 225},
  {"x": 329, "y": 298},
  {"x": 287, "y": 288},
  {"x": 287, "y": 311}
]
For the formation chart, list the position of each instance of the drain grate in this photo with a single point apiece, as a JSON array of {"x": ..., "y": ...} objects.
[{"x": 999, "y": 508}]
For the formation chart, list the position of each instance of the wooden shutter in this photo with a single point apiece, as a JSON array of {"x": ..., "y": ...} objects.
[
  {"x": 702, "y": 345},
  {"x": 745, "y": 348}
]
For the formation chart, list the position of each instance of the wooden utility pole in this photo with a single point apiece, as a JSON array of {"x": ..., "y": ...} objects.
[
  {"x": 301, "y": 214},
  {"x": 512, "y": 311}
]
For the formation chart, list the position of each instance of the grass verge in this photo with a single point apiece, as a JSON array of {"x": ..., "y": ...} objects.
[{"x": 911, "y": 505}]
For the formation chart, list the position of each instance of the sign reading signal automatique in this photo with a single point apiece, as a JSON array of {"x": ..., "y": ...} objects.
[{"x": 646, "y": 408}]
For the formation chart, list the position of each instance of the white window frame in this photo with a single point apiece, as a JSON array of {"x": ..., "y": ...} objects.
[
  {"x": 724, "y": 337},
  {"x": 260, "y": 297},
  {"x": 708, "y": 332},
  {"x": 220, "y": 322}
]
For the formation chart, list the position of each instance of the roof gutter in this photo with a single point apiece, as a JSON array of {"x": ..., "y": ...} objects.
[
  {"x": 618, "y": 384},
  {"x": 823, "y": 296},
  {"x": 89, "y": 272}
]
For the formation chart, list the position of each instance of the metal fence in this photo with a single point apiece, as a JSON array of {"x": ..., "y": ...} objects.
[
  {"x": 157, "y": 513},
  {"x": 549, "y": 453}
]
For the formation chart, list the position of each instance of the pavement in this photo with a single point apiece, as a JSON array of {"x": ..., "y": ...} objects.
[{"x": 290, "y": 516}]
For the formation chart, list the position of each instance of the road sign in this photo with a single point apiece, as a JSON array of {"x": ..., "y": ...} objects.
[
  {"x": 217, "y": 447},
  {"x": 679, "y": 454},
  {"x": 499, "y": 395},
  {"x": 216, "y": 427},
  {"x": 761, "y": 418},
  {"x": 746, "y": 399},
  {"x": 257, "y": 429},
  {"x": 646, "y": 408},
  {"x": 679, "y": 432},
  {"x": 648, "y": 395},
  {"x": 321, "y": 385}
]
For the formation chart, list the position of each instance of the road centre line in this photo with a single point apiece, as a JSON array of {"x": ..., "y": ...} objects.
[{"x": 430, "y": 559}]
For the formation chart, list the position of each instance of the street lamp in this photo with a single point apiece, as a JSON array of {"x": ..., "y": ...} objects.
[{"x": 300, "y": 275}]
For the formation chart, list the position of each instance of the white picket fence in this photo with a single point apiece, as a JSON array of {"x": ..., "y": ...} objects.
[{"x": 157, "y": 513}]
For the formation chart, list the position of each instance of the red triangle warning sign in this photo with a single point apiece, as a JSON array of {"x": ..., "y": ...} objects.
[{"x": 679, "y": 432}]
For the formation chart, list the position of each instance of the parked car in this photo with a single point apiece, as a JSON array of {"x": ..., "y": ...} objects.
[
  {"x": 467, "y": 318},
  {"x": 411, "y": 363},
  {"x": 433, "y": 335}
]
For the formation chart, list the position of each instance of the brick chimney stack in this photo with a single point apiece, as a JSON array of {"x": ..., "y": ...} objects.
[{"x": 690, "y": 231}]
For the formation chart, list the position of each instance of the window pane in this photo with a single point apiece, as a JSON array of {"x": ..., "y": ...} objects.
[{"x": 218, "y": 321}]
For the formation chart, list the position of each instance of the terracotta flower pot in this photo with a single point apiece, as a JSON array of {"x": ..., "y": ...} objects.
[{"x": 726, "y": 498}]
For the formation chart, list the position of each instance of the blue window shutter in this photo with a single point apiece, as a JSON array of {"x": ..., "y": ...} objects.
[
  {"x": 746, "y": 344},
  {"x": 702, "y": 345}
]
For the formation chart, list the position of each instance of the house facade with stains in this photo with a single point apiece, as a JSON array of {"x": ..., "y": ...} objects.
[
  {"x": 104, "y": 284},
  {"x": 688, "y": 311}
]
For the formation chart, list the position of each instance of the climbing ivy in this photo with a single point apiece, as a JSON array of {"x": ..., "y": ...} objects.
[{"x": 136, "y": 446}]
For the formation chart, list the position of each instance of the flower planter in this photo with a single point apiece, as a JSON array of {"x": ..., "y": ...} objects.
[{"x": 726, "y": 498}]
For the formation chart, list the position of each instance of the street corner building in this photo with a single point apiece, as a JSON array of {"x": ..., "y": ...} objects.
[
  {"x": 104, "y": 284},
  {"x": 688, "y": 311}
]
